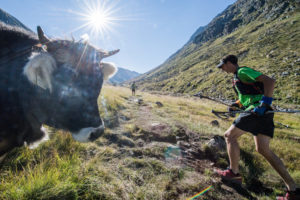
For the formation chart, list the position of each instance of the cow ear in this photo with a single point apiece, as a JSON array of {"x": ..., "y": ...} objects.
[
  {"x": 108, "y": 70},
  {"x": 43, "y": 39},
  {"x": 39, "y": 70}
]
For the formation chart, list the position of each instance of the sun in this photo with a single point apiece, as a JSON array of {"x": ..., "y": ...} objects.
[
  {"x": 98, "y": 20},
  {"x": 98, "y": 16}
]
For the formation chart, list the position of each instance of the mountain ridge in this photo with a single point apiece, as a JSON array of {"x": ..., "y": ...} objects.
[
  {"x": 263, "y": 34},
  {"x": 123, "y": 75}
]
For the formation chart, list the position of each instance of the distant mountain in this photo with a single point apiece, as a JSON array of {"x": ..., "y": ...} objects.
[
  {"x": 123, "y": 75},
  {"x": 198, "y": 32},
  {"x": 264, "y": 34},
  {"x": 8, "y": 19}
]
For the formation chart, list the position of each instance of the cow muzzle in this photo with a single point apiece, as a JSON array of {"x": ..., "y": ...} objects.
[{"x": 88, "y": 134}]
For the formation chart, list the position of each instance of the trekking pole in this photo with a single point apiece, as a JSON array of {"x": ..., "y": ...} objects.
[
  {"x": 239, "y": 110},
  {"x": 226, "y": 115},
  {"x": 209, "y": 98},
  {"x": 249, "y": 111}
]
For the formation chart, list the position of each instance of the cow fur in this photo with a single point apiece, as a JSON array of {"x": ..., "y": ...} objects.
[
  {"x": 57, "y": 86},
  {"x": 40, "y": 67}
]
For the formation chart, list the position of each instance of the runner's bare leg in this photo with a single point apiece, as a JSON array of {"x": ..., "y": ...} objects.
[
  {"x": 262, "y": 146},
  {"x": 233, "y": 148}
]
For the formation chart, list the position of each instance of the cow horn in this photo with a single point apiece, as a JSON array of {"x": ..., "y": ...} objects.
[
  {"x": 110, "y": 53},
  {"x": 43, "y": 39}
]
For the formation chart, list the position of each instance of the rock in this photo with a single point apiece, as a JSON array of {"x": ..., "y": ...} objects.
[
  {"x": 120, "y": 140},
  {"x": 215, "y": 123},
  {"x": 181, "y": 134},
  {"x": 289, "y": 97},
  {"x": 139, "y": 101},
  {"x": 127, "y": 134},
  {"x": 217, "y": 143},
  {"x": 124, "y": 118},
  {"x": 285, "y": 73},
  {"x": 125, "y": 141},
  {"x": 159, "y": 104},
  {"x": 140, "y": 143},
  {"x": 157, "y": 126},
  {"x": 199, "y": 94},
  {"x": 183, "y": 145}
]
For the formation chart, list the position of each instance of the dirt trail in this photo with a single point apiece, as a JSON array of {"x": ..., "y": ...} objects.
[{"x": 183, "y": 147}]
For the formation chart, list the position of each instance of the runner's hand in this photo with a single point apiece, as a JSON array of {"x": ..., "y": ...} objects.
[
  {"x": 260, "y": 110},
  {"x": 264, "y": 104},
  {"x": 233, "y": 107}
]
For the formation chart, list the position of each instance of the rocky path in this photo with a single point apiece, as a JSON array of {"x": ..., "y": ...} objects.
[{"x": 182, "y": 148}]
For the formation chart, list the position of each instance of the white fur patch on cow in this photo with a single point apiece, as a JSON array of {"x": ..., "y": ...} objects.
[
  {"x": 108, "y": 70},
  {"x": 39, "y": 69},
  {"x": 42, "y": 140},
  {"x": 83, "y": 135}
]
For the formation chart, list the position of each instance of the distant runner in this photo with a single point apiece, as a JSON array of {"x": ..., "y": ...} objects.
[
  {"x": 133, "y": 88},
  {"x": 255, "y": 92}
]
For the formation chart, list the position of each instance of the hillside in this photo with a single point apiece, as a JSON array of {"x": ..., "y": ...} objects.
[
  {"x": 265, "y": 35},
  {"x": 123, "y": 75},
  {"x": 149, "y": 151}
]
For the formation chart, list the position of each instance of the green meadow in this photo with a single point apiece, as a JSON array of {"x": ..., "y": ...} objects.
[{"x": 131, "y": 161}]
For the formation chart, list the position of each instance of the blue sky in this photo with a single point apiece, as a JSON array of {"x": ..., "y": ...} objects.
[{"x": 146, "y": 31}]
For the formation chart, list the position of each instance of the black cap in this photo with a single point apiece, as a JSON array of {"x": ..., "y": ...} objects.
[{"x": 232, "y": 58}]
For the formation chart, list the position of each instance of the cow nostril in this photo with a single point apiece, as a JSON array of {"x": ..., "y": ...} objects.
[{"x": 95, "y": 134}]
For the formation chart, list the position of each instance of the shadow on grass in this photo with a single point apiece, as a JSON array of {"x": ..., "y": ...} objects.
[
  {"x": 239, "y": 189},
  {"x": 251, "y": 173}
]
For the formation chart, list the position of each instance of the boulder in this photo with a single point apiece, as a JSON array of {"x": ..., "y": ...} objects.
[{"x": 218, "y": 143}]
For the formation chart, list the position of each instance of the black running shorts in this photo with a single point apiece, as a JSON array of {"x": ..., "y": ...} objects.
[{"x": 251, "y": 122}]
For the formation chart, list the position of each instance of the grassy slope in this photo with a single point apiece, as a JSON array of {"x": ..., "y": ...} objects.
[
  {"x": 116, "y": 167},
  {"x": 271, "y": 47}
]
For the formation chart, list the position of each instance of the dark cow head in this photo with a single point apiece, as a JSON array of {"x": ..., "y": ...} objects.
[
  {"x": 68, "y": 77},
  {"x": 59, "y": 86}
]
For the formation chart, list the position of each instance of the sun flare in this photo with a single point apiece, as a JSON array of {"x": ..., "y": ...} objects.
[
  {"x": 98, "y": 20},
  {"x": 99, "y": 17}
]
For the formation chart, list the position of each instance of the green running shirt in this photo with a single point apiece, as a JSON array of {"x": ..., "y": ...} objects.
[{"x": 248, "y": 75}]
